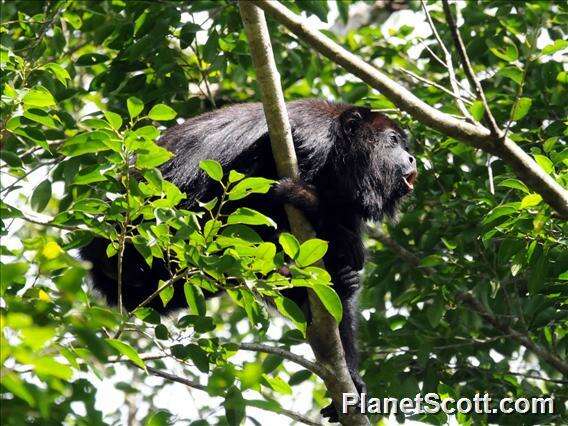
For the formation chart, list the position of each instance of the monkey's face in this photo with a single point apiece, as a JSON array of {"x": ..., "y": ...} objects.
[{"x": 384, "y": 171}]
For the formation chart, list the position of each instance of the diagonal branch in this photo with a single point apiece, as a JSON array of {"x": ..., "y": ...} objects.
[
  {"x": 477, "y": 136},
  {"x": 194, "y": 385},
  {"x": 317, "y": 369},
  {"x": 468, "y": 69},
  {"x": 323, "y": 334}
]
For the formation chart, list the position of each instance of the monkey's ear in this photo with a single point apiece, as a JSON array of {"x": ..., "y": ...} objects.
[{"x": 351, "y": 119}]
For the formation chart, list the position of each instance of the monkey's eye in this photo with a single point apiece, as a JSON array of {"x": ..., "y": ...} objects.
[{"x": 392, "y": 139}]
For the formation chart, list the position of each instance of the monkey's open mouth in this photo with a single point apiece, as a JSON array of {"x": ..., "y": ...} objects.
[{"x": 409, "y": 180}]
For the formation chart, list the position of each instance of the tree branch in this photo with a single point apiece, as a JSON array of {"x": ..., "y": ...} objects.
[
  {"x": 317, "y": 369},
  {"x": 468, "y": 69},
  {"x": 323, "y": 334},
  {"x": 194, "y": 385},
  {"x": 475, "y": 135},
  {"x": 523, "y": 339}
]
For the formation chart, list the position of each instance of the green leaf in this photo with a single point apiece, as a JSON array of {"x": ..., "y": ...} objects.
[
  {"x": 187, "y": 34},
  {"x": 198, "y": 356},
  {"x": 159, "y": 418},
  {"x": 148, "y": 132},
  {"x": 38, "y": 97},
  {"x": 544, "y": 162},
  {"x": 311, "y": 251},
  {"x": 249, "y": 216},
  {"x": 195, "y": 299},
  {"x": 477, "y": 111},
  {"x": 161, "y": 112},
  {"x": 86, "y": 143},
  {"x": 40, "y": 116},
  {"x": 89, "y": 175},
  {"x": 497, "y": 212},
  {"x": 135, "y": 106},
  {"x": 290, "y": 244},
  {"x": 292, "y": 311},
  {"x": 161, "y": 332},
  {"x": 127, "y": 350},
  {"x": 435, "y": 312},
  {"x": 270, "y": 363},
  {"x": 41, "y": 196},
  {"x": 18, "y": 387},
  {"x": 10, "y": 158},
  {"x": 506, "y": 51},
  {"x": 319, "y": 8},
  {"x": 554, "y": 47},
  {"x": 73, "y": 19},
  {"x": 114, "y": 119},
  {"x": 538, "y": 275},
  {"x": 235, "y": 407},
  {"x": 277, "y": 384},
  {"x": 253, "y": 185},
  {"x": 521, "y": 108},
  {"x": 59, "y": 72},
  {"x": 512, "y": 73},
  {"x": 212, "y": 168},
  {"x": 530, "y": 201},
  {"x": 330, "y": 300},
  {"x": 152, "y": 156},
  {"x": 299, "y": 377},
  {"x": 235, "y": 176},
  {"x": 515, "y": 184},
  {"x": 166, "y": 294}
]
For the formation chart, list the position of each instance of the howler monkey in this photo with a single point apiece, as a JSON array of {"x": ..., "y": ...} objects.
[{"x": 354, "y": 166}]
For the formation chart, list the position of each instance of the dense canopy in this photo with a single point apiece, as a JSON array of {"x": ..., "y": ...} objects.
[{"x": 465, "y": 292}]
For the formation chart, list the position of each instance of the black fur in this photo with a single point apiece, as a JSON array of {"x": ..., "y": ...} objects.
[{"x": 352, "y": 162}]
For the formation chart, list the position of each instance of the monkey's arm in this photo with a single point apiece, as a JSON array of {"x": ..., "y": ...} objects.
[{"x": 297, "y": 193}]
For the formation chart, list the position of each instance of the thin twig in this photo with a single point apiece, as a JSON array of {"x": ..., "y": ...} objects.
[
  {"x": 457, "y": 96},
  {"x": 174, "y": 378},
  {"x": 152, "y": 296},
  {"x": 515, "y": 373},
  {"x": 449, "y": 66},
  {"x": 468, "y": 69},
  {"x": 317, "y": 369},
  {"x": 52, "y": 225}
]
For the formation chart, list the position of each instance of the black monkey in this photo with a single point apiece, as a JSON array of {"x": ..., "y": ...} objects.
[{"x": 354, "y": 166}]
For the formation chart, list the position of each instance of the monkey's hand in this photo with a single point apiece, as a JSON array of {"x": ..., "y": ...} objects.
[
  {"x": 347, "y": 282},
  {"x": 330, "y": 412},
  {"x": 297, "y": 193}
]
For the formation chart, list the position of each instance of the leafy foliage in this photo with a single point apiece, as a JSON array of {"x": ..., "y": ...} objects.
[{"x": 87, "y": 88}]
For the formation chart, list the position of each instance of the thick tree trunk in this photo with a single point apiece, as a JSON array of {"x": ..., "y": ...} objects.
[{"x": 323, "y": 334}]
